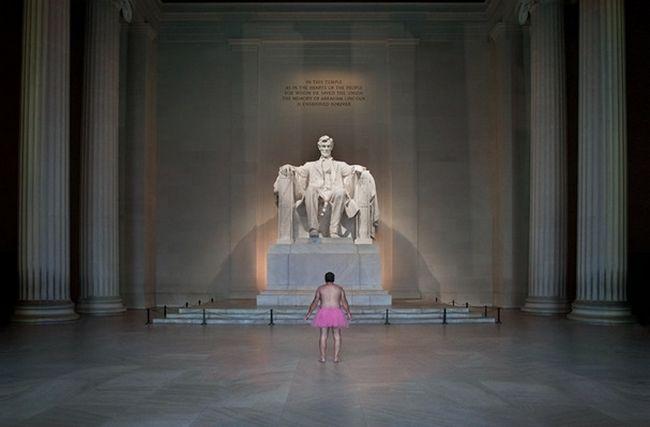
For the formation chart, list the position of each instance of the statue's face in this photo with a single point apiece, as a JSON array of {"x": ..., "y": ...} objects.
[{"x": 325, "y": 148}]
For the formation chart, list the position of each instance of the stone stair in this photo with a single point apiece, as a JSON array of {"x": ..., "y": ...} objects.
[{"x": 294, "y": 316}]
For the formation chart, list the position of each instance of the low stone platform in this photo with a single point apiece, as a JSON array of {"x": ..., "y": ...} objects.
[
  {"x": 294, "y": 271},
  {"x": 295, "y": 315}
]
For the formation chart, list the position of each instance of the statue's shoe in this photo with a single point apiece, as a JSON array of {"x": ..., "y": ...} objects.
[{"x": 313, "y": 234}]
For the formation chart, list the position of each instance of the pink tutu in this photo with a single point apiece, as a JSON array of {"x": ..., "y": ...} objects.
[{"x": 330, "y": 317}]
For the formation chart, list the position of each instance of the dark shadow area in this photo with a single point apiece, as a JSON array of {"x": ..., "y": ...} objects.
[
  {"x": 638, "y": 132},
  {"x": 571, "y": 42},
  {"x": 11, "y": 33},
  {"x": 77, "y": 17}
]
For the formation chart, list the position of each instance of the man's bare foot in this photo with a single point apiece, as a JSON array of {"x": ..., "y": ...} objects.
[
  {"x": 321, "y": 360},
  {"x": 337, "y": 360}
]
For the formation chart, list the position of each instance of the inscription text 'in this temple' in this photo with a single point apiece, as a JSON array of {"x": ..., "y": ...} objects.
[{"x": 324, "y": 93}]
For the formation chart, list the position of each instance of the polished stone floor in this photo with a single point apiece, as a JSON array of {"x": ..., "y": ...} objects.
[{"x": 527, "y": 371}]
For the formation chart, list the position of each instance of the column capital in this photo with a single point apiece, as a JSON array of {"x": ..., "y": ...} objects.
[
  {"x": 525, "y": 8},
  {"x": 126, "y": 8}
]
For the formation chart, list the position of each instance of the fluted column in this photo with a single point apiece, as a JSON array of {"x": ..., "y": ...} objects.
[
  {"x": 548, "y": 161},
  {"x": 602, "y": 176},
  {"x": 44, "y": 237},
  {"x": 99, "y": 263}
]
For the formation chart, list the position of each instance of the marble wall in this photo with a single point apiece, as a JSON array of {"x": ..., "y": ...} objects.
[{"x": 425, "y": 129}]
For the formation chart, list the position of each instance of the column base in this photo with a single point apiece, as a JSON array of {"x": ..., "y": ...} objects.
[
  {"x": 101, "y": 306},
  {"x": 601, "y": 313},
  {"x": 39, "y": 312},
  {"x": 546, "y": 306}
]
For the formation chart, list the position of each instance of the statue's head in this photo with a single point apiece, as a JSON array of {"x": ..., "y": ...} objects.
[{"x": 325, "y": 146}]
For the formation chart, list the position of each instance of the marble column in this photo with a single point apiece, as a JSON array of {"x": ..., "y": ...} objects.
[
  {"x": 548, "y": 161},
  {"x": 602, "y": 176},
  {"x": 44, "y": 212},
  {"x": 99, "y": 260}
]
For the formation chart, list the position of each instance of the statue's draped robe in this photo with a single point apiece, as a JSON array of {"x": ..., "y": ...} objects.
[{"x": 327, "y": 175}]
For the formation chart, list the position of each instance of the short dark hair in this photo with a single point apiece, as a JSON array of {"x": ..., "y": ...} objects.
[{"x": 329, "y": 277}]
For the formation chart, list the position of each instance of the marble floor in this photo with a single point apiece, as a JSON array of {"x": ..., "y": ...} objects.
[{"x": 527, "y": 371}]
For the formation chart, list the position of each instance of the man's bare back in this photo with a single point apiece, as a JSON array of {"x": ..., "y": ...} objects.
[{"x": 330, "y": 295}]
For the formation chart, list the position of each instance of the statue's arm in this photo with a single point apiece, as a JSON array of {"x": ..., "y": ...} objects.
[{"x": 347, "y": 170}]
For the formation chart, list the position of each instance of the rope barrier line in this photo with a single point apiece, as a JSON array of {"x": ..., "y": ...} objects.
[{"x": 151, "y": 313}]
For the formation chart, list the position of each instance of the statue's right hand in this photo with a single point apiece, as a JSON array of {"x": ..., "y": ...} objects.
[{"x": 286, "y": 170}]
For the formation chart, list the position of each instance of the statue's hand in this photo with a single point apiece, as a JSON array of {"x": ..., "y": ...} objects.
[
  {"x": 358, "y": 169},
  {"x": 286, "y": 170}
]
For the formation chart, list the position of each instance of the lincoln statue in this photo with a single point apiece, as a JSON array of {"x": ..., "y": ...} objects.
[{"x": 327, "y": 184}]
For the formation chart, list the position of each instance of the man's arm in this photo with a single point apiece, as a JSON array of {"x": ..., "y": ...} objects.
[
  {"x": 313, "y": 304},
  {"x": 344, "y": 303}
]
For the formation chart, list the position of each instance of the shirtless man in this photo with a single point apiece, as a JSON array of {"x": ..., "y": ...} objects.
[{"x": 330, "y": 315}]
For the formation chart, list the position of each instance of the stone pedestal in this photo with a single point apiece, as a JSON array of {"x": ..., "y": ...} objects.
[{"x": 294, "y": 272}]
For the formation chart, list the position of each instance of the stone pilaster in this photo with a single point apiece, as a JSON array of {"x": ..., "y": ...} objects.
[
  {"x": 44, "y": 235},
  {"x": 510, "y": 176},
  {"x": 99, "y": 263},
  {"x": 602, "y": 177},
  {"x": 138, "y": 157},
  {"x": 548, "y": 161},
  {"x": 402, "y": 209}
]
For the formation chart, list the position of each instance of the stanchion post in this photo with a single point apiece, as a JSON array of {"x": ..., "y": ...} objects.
[
  {"x": 386, "y": 321},
  {"x": 499, "y": 315},
  {"x": 187, "y": 304},
  {"x": 453, "y": 302},
  {"x": 444, "y": 316},
  {"x": 204, "y": 322},
  {"x": 485, "y": 311},
  {"x": 271, "y": 322},
  {"x": 165, "y": 311},
  {"x": 148, "y": 316},
  {"x": 199, "y": 302},
  {"x": 466, "y": 305},
  {"x": 436, "y": 299},
  {"x": 211, "y": 299}
]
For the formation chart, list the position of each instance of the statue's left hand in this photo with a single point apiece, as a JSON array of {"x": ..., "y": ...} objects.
[{"x": 358, "y": 169}]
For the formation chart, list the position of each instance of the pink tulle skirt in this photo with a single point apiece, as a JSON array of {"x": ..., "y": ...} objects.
[{"x": 330, "y": 317}]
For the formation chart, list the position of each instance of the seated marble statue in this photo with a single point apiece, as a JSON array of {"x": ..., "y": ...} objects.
[{"x": 346, "y": 189}]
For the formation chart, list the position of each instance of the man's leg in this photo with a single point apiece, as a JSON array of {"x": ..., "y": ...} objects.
[
  {"x": 311, "y": 206},
  {"x": 338, "y": 198},
  {"x": 322, "y": 343},
  {"x": 337, "y": 344}
]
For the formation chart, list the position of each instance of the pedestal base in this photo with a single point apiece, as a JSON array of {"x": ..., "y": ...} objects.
[
  {"x": 101, "y": 306},
  {"x": 37, "y": 312},
  {"x": 601, "y": 313},
  {"x": 294, "y": 272},
  {"x": 546, "y": 306}
]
